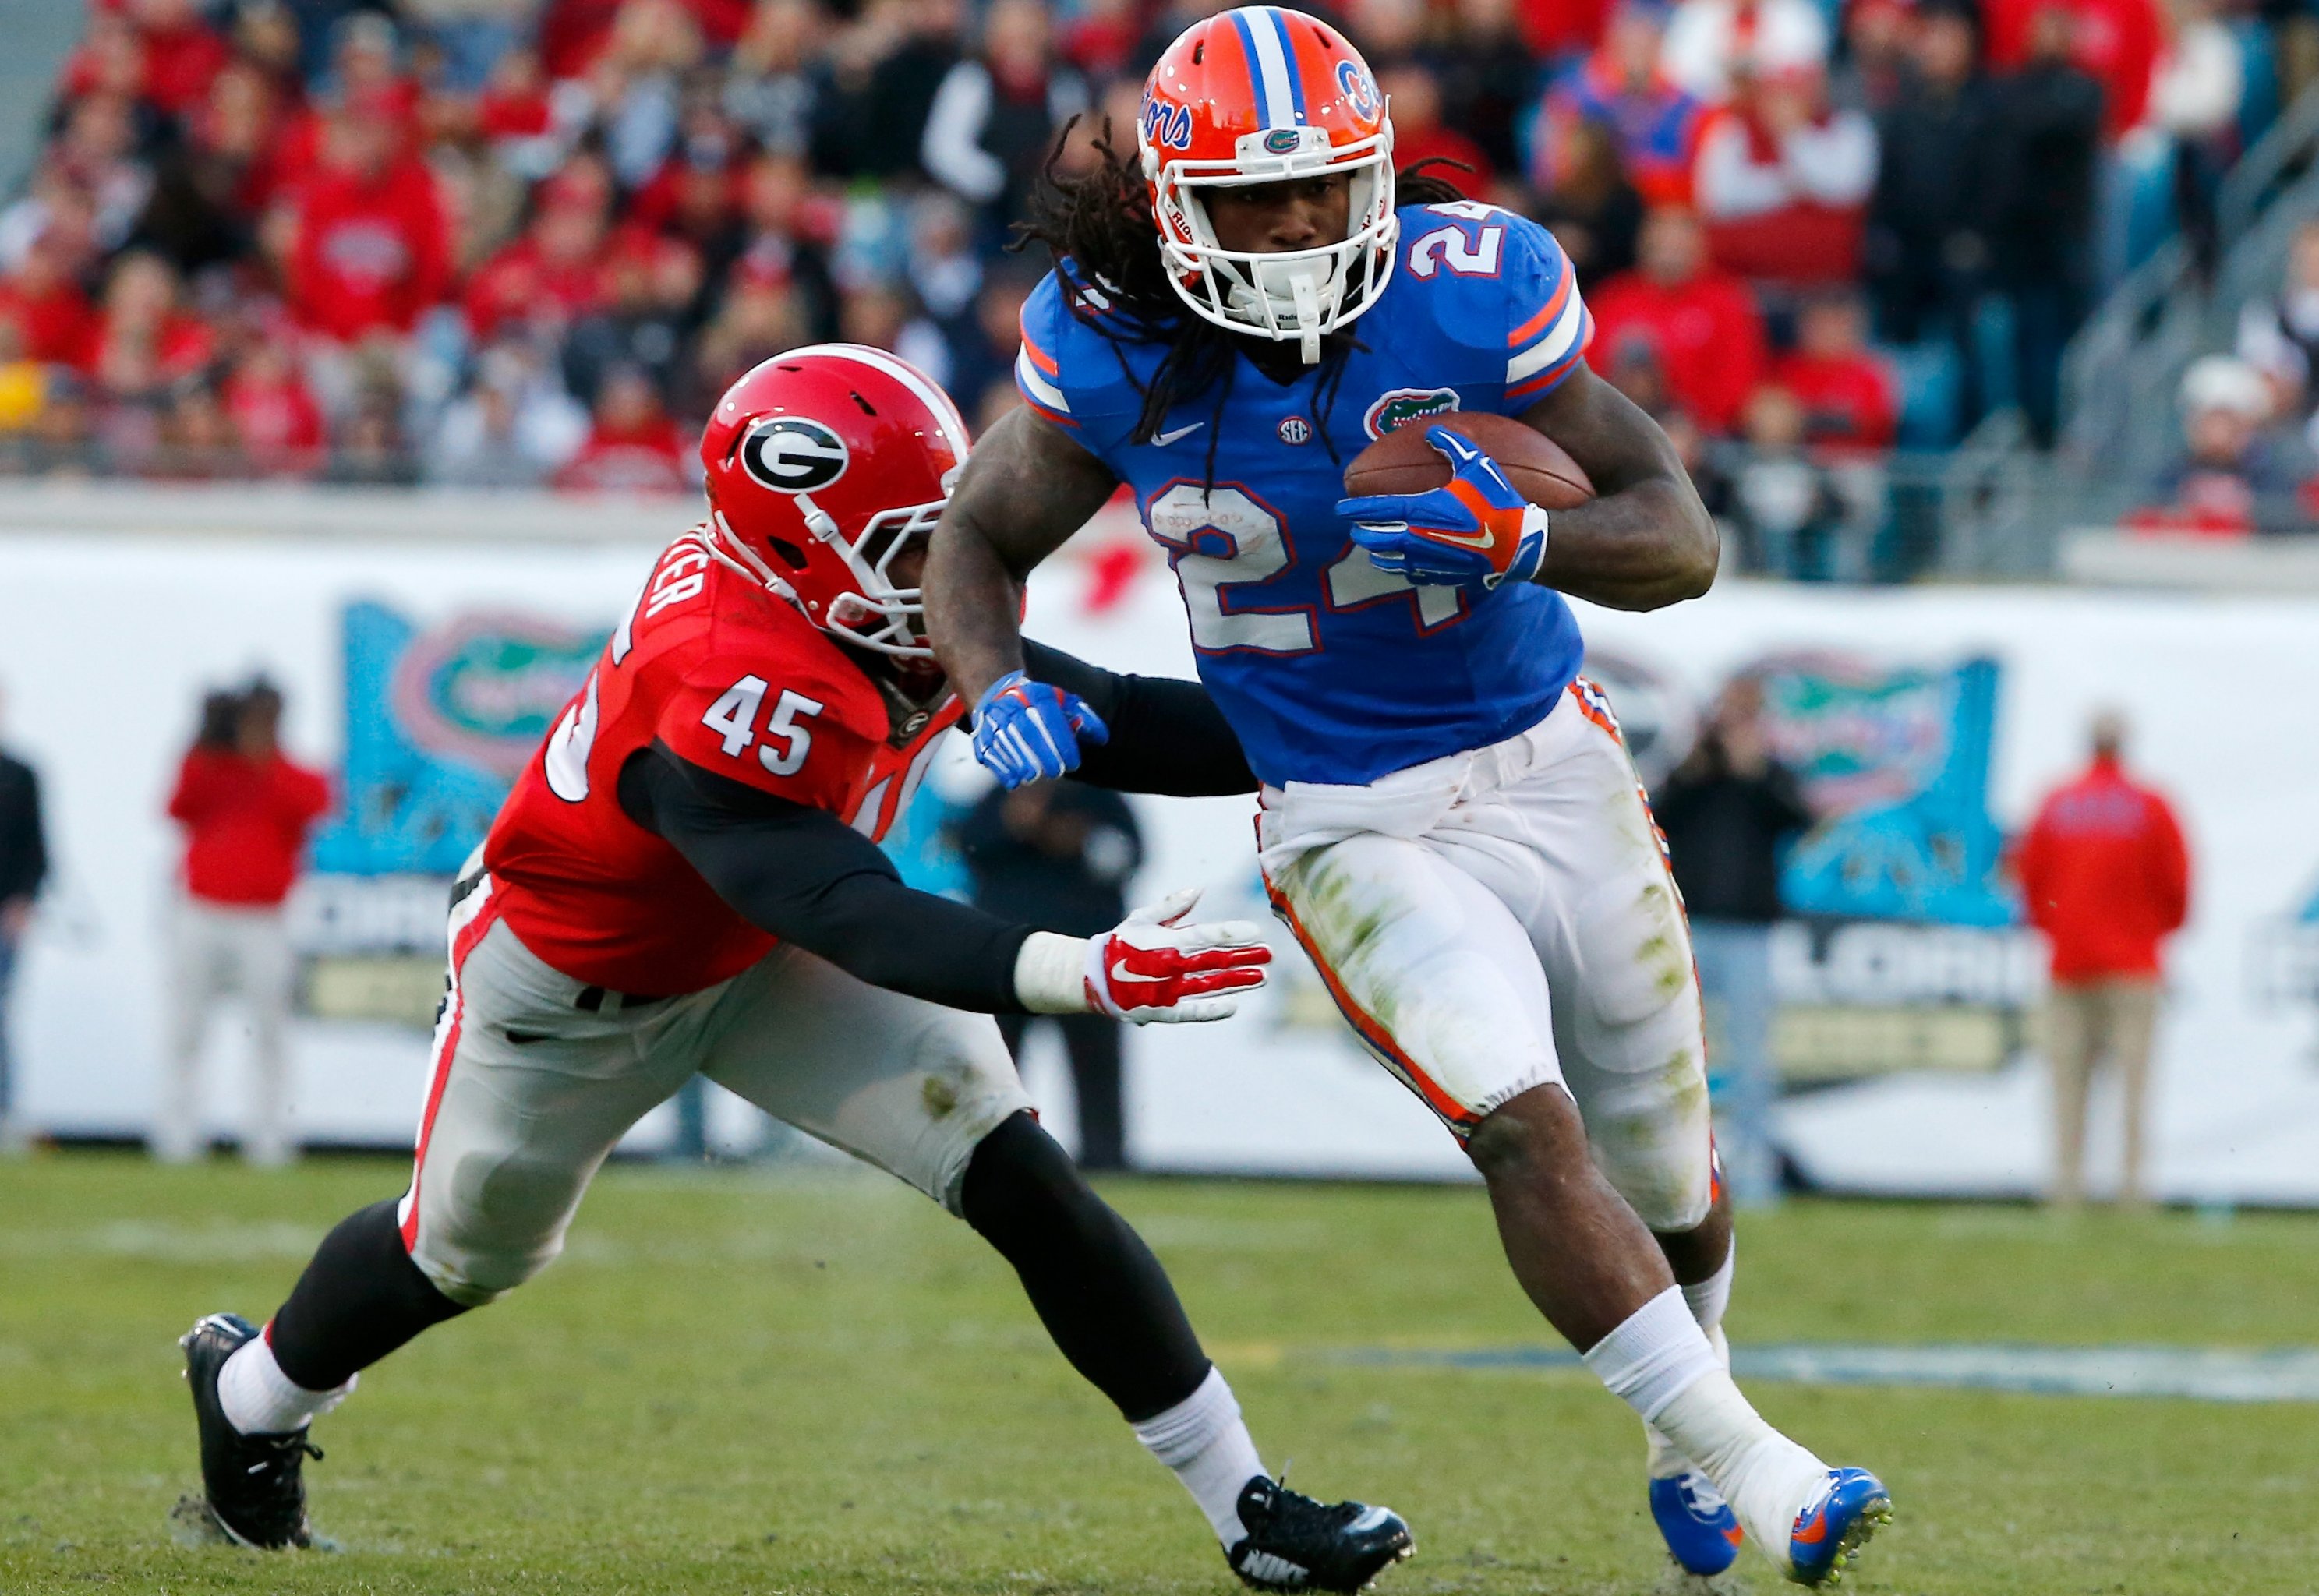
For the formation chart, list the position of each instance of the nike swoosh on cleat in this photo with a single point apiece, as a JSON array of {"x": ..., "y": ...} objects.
[{"x": 1164, "y": 439}]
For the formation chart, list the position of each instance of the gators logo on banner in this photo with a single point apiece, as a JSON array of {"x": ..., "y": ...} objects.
[
  {"x": 439, "y": 722},
  {"x": 1899, "y": 757}
]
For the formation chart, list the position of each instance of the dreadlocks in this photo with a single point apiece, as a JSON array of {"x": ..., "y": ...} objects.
[{"x": 1101, "y": 220}]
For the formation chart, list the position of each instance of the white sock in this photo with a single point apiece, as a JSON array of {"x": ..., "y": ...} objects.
[
  {"x": 1203, "y": 1439},
  {"x": 1712, "y": 1297},
  {"x": 1662, "y": 1364},
  {"x": 1667, "y": 1460},
  {"x": 1649, "y": 1360},
  {"x": 1708, "y": 1300},
  {"x": 259, "y": 1399}
]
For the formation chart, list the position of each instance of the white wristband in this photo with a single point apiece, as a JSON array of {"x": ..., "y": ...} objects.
[{"x": 1051, "y": 973}]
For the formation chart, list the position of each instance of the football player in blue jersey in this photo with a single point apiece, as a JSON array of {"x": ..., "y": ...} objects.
[{"x": 1241, "y": 302}]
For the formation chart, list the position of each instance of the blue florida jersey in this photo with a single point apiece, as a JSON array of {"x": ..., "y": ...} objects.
[{"x": 1328, "y": 668}]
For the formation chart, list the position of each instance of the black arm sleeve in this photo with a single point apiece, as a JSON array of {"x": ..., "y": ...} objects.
[
  {"x": 807, "y": 877},
  {"x": 1167, "y": 736}
]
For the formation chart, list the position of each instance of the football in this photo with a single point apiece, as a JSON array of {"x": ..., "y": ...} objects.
[{"x": 1403, "y": 462}]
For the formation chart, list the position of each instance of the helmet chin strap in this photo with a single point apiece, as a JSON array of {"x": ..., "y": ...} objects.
[{"x": 818, "y": 520}]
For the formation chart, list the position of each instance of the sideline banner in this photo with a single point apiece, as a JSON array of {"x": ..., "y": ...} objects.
[
  {"x": 439, "y": 719},
  {"x": 1973, "y": 695}
]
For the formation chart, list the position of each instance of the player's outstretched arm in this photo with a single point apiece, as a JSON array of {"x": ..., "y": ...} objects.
[
  {"x": 1026, "y": 489},
  {"x": 1646, "y": 541},
  {"x": 805, "y": 876}
]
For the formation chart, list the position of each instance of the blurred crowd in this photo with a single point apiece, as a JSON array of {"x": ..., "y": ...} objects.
[
  {"x": 2248, "y": 462},
  {"x": 503, "y": 242}
]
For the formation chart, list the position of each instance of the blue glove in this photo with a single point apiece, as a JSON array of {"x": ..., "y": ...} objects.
[
  {"x": 1475, "y": 532},
  {"x": 1025, "y": 730}
]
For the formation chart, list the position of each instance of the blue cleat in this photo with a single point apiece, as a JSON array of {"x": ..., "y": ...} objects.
[
  {"x": 1835, "y": 1524},
  {"x": 1700, "y": 1529}
]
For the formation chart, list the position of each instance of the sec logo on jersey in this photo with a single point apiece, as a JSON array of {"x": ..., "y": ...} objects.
[{"x": 793, "y": 455}]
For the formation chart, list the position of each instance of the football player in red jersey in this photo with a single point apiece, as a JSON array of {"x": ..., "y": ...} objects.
[{"x": 686, "y": 879}]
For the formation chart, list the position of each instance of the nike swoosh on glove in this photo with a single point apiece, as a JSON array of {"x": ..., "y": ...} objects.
[
  {"x": 1152, "y": 967},
  {"x": 1027, "y": 731},
  {"x": 1476, "y": 531}
]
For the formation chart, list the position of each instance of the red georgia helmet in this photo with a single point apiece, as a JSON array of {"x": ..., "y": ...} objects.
[
  {"x": 822, "y": 464},
  {"x": 1261, "y": 93}
]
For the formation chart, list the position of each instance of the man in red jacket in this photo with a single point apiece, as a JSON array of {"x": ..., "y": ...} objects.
[
  {"x": 1702, "y": 325},
  {"x": 246, "y": 810},
  {"x": 2104, "y": 874}
]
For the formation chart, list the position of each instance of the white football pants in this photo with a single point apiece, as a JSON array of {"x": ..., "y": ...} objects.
[
  {"x": 536, "y": 1076},
  {"x": 218, "y": 950},
  {"x": 1502, "y": 919}
]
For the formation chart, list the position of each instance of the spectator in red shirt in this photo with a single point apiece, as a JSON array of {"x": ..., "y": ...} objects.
[
  {"x": 48, "y": 307},
  {"x": 182, "y": 54},
  {"x": 633, "y": 447},
  {"x": 373, "y": 245},
  {"x": 1851, "y": 401},
  {"x": 144, "y": 342},
  {"x": 279, "y": 424},
  {"x": 1702, "y": 326},
  {"x": 1783, "y": 179},
  {"x": 2104, "y": 875},
  {"x": 110, "y": 61},
  {"x": 554, "y": 273},
  {"x": 246, "y": 810},
  {"x": 1419, "y": 134}
]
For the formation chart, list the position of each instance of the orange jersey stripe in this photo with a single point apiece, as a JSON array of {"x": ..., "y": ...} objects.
[
  {"x": 1544, "y": 319},
  {"x": 1040, "y": 358}
]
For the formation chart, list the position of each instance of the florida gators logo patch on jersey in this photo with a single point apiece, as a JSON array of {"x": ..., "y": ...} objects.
[
  {"x": 1396, "y": 408},
  {"x": 793, "y": 455}
]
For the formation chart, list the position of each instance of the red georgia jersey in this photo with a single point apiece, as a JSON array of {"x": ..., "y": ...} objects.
[{"x": 735, "y": 680}]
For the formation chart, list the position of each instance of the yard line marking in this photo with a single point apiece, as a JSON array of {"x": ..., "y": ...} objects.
[{"x": 2204, "y": 1374}]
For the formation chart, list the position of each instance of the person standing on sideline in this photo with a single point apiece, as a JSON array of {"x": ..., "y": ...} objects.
[
  {"x": 2104, "y": 875},
  {"x": 1727, "y": 811},
  {"x": 1060, "y": 853},
  {"x": 24, "y": 866},
  {"x": 246, "y": 811}
]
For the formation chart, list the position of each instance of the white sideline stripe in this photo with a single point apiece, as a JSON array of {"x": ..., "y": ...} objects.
[
  {"x": 2204, "y": 1374},
  {"x": 1554, "y": 346},
  {"x": 1041, "y": 390},
  {"x": 1265, "y": 27}
]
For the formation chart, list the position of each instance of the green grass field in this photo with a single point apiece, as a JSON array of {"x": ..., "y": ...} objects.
[{"x": 752, "y": 1383}]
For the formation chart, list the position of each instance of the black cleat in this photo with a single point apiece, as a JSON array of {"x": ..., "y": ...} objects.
[
  {"x": 1295, "y": 1544},
  {"x": 250, "y": 1484}
]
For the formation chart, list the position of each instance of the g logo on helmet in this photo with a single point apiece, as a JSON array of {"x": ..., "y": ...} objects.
[
  {"x": 792, "y": 455},
  {"x": 1359, "y": 89},
  {"x": 1282, "y": 141}
]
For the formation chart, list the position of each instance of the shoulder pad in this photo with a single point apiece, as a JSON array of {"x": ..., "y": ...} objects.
[
  {"x": 1498, "y": 288},
  {"x": 1068, "y": 371}
]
